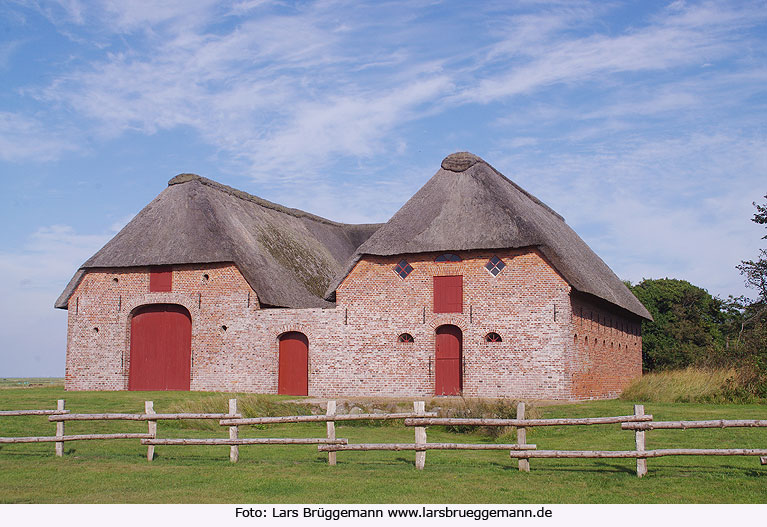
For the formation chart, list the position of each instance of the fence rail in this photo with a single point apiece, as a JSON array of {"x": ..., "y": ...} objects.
[
  {"x": 641, "y": 454},
  {"x": 423, "y": 447},
  {"x": 248, "y": 441},
  {"x": 16, "y": 413},
  {"x": 82, "y": 437},
  {"x": 136, "y": 417},
  {"x": 526, "y": 423},
  {"x": 320, "y": 418},
  {"x": 684, "y": 425}
]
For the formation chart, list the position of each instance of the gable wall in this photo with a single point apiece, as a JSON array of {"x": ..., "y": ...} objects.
[
  {"x": 100, "y": 360},
  {"x": 518, "y": 304}
]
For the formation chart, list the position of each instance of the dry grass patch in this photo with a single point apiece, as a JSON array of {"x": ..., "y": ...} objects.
[
  {"x": 680, "y": 386},
  {"x": 482, "y": 409},
  {"x": 248, "y": 405}
]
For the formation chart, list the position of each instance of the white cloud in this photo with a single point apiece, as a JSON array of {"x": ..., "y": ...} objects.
[
  {"x": 694, "y": 36},
  {"x": 277, "y": 92},
  {"x": 284, "y": 89},
  {"x": 25, "y": 138},
  {"x": 340, "y": 126},
  {"x": 116, "y": 16},
  {"x": 7, "y": 50}
]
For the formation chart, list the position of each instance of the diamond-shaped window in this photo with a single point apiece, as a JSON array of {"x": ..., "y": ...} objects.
[
  {"x": 448, "y": 257},
  {"x": 495, "y": 265},
  {"x": 403, "y": 269}
]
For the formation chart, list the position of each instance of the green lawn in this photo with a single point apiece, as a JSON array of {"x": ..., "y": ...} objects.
[{"x": 118, "y": 472}]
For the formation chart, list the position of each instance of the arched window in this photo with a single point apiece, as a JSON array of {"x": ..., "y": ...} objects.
[
  {"x": 448, "y": 257},
  {"x": 493, "y": 337},
  {"x": 406, "y": 338}
]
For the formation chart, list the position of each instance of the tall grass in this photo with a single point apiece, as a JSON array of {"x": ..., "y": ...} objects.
[
  {"x": 682, "y": 386},
  {"x": 248, "y": 405}
]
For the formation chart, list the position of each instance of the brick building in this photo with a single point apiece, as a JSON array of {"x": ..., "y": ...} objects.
[{"x": 474, "y": 287}]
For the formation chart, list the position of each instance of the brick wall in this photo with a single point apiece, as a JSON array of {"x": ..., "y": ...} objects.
[
  {"x": 518, "y": 304},
  {"x": 98, "y": 341},
  {"x": 353, "y": 348},
  {"x": 608, "y": 348}
]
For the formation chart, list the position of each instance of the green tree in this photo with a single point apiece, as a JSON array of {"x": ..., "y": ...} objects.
[
  {"x": 687, "y": 324},
  {"x": 752, "y": 338},
  {"x": 755, "y": 271}
]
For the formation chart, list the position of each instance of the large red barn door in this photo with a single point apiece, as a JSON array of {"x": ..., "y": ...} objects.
[
  {"x": 447, "y": 371},
  {"x": 293, "y": 374},
  {"x": 160, "y": 348}
]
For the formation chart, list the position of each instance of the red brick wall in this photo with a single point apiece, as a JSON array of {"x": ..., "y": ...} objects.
[
  {"x": 353, "y": 348},
  {"x": 608, "y": 349}
]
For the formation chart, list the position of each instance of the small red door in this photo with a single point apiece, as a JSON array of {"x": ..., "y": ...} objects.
[
  {"x": 160, "y": 279},
  {"x": 293, "y": 374},
  {"x": 447, "y": 372},
  {"x": 160, "y": 348}
]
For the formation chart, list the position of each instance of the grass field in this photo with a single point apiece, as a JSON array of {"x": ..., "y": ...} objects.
[
  {"x": 30, "y": 382},
  {"x": 118, "y": 472}
]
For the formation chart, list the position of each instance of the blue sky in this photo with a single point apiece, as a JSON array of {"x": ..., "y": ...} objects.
[{"x": 642, "y": 123}]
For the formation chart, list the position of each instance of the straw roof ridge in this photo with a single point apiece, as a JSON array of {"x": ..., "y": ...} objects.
[
  {"x": 298, "y": 213},
  {"x": 462, "y": 161}
]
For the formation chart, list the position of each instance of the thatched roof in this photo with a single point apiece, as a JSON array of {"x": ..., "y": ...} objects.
[
  {"x": 469, "y": 205},
  {"x": 288, "y": 256}
]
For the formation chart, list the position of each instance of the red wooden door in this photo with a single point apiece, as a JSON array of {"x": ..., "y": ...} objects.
[
  {"x": 447, "y": 372},
  {"x": 448, "y": 294},
  {"x": 293, "y": 374},
  {"x": 160, "y": 348}
]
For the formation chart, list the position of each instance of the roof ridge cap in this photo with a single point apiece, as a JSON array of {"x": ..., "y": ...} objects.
[
  {"x": 298, "y": 213},
  {"x": 462, "y": 161}
]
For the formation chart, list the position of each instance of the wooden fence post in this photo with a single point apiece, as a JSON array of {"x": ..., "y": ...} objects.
[
  {"x": 331, "y": 426},
  {"x": 640, "y": 446},
  {"x": 60, "y": 430},
  {"x": 234, "y": 433},
  {"x": 420, "y": 436},
  {"x": 152, "y": 429},
  {"x": 523, "y": 464}
]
